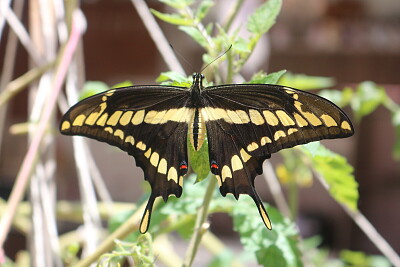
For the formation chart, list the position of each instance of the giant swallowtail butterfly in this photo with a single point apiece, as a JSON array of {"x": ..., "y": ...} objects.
[{"x": 243, "y": 124}]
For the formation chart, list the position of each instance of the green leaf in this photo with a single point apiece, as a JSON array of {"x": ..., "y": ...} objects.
[
  {"x": 92, "y": 88},
  {"x": 341, "y": 98},
  {"x": 123, "y": 84},
  {"x": 178, "y": 4},
  {"x": 175, "y": 19},
  {"x": 173, "y": 78},
  {"x": 203, "y": 8},
  {"x": 336, "y": 171},
  {"x": 271, "y": 78},
  {"x": 305, "y": 82},
  {"x": 368, "y": 97},
  {"x": 195, "y": 34},
  {"x": 199, "y": 160},
  {"x": 396, "y": 123},
  {"x": 222, "y": 259},
  {"x": 278, "y": 245},
  {"x": 264, "y": 17}
]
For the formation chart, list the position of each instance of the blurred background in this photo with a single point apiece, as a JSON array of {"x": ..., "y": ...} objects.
[{"x": 349, "y": 40}]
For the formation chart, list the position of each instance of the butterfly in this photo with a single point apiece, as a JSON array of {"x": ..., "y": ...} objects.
[{"x": 242, "y": 123}]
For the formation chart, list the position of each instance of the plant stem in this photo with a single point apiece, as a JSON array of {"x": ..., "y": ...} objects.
[
  {"x": 232, "y": 15},
  {"x": 108, "y": 244},
  {"x": 200, "y": 226},
  {"x": 368, "y": 229}
]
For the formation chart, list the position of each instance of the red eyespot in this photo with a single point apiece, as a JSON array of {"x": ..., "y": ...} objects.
[
  {"x": 215, "y": 166},
  {"x": 183, "y": 167}
]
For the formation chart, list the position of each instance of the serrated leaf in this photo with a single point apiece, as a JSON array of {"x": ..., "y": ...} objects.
[
  {"x": 278, "y": 244},
  {"x": 199, "y": 160},
  {"x": 203, "y": 8},
  {"x": 178, "y": 4},
  {"x": 305, "y": 82},
  {"x": 195, "y": 34},
  {"x": 264, "y": 17},
  {"x": 336, "y": 171},
  {"x": 175, "y": 19},
  {"x": 368, "y": 97},
  {"x": 91, "y": 88},
  {"x": 271, "y": 78}
]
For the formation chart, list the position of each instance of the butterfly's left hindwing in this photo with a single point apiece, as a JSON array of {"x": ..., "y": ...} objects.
[{"x": 150, "y": 123}]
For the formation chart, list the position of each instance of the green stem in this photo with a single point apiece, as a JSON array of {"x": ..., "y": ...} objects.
[
  {"x": 200, "y": 227},
  {"x": 232, "y": 15}
]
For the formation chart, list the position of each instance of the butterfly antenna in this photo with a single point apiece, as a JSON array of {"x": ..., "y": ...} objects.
[
  {"x": 226, "y": 51},
  {"x": 182, "y": 57}
]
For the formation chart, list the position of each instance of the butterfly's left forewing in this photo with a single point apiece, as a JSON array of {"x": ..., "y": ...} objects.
[{"x": 148, "y": 122}]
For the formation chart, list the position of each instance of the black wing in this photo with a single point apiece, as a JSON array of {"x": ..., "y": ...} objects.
[
  {"x": 148, "y": 122},
  {"x": 246, "y": 123}
]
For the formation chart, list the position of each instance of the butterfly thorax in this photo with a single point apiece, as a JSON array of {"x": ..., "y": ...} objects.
[{"x": 197, "y": 127}]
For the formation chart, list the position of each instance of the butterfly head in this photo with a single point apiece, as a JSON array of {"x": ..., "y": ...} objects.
[{"x": 198, "y": 80}]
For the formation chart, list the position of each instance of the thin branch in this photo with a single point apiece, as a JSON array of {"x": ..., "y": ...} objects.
[
  {"x": 21, "y": 32},
  {"x": 108, "y": 244},
  {"x": 232, "y": 15},
  {"x": 158, "y": 36},
  {"x": 368, "y": 229},
  {"x": 30, "y": 157},
  {"x": 200, "y": 226},
  {"x": 276, "y": 190}
]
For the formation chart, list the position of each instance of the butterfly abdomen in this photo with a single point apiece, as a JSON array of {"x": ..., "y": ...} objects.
[{"x": 197, "y": 130}]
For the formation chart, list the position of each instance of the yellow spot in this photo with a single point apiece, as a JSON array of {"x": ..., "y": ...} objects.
[
  {"x": 109, "y": 130},
  {"x": 79, "y": 120},
  {"x": 180, "y": 182},
  {"x": 308, "y": 115},
  {"x": 214, "y": 114},
  {"x": 104, "y": 98},
  {"x": 141, "y": 146},
  {"x": 145, "y": 222},
  {"x": 154, "y": 117},
  {"x": 279, "y": 134},
  {"x": 270, "y": 118},
  {"x": 284, "y": 118},
  {"x": 234, "y": 117},
  {"x": 154, "y": 159},
  {"x": 114, "y": 118},
  {"x": 138, "y": 117},
  {"x": 292, "y": 130},
  {"x": 301, "y": 122},
  {"x": 243, "y": 154},
  {"x": 289, "y": 91},
  {"x": 243, "y": 116},
  {"x": 328, "y": 120},
  {"x": 102, "y": 120},
  {"x": 148, "y": 153},
  {"x": 296, "y": 96},
  {"x": 126, "y": 118},
  {"x": 219, "y": 180},
  {"x": 130, "y": 139},
  {"x": 110, "y": 92},
  {"x": 226, "y": 173},
  {"x": 178, "y": 115},
  {"x": 91, "y": 119},
  {"x": 256, "y": 117},
  {"x": 162, "y": 166},
  {"x": 119, "y": 133},
  {"x": 236, "y": 163},
  {"x": 172, "y": 174},
  {"x": 265, "y": 218},
  {"x": 265, "y": 140},
  {"x": 65, "y": 125},
  {"x": 253, "y": 146},
  {"x": 345, "y": 125}
]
